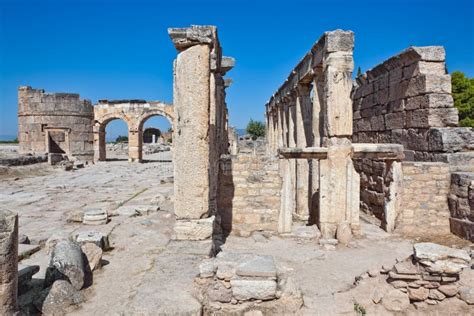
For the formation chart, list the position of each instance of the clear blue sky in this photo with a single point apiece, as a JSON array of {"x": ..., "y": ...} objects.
[{"x": 114, "y": 49}]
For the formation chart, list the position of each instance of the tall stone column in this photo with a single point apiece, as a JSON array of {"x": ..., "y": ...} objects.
[
  {"x": 8, "y": 262},
  {"x": 337, "y": 172},
  {"x": 292, "y": 144},
  {"x": 303, "y": 139},
  {"x": 135, "y": 142}
]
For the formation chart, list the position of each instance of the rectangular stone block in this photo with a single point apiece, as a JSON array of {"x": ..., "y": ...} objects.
[
  {"x": 200, "y": 229},
  {"x": 428, "y": 84},
  {"x": 395, "y": 120},
  {"x": 244, "y": 290}
]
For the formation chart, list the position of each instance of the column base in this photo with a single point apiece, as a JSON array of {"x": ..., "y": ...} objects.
[{"x": 193, "y": 229}]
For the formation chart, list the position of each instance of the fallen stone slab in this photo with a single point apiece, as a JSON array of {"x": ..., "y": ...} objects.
[
  {"x": 98, "y": 238},
  {"x": 259, "y": 266},
  {"x": 441, "y": 259},
  {"x": 244, "y": 290},
  {"x": 66, "y": 262},
  {"x": 25, "y": 250}
]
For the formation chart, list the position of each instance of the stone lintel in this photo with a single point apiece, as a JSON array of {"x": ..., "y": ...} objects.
[
  {"x": 375, "y": 151},
  {"x": 184, "y": 38},
  {"x": 378, "y": 151}
]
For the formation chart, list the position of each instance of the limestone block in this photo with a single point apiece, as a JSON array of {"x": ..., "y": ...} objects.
[
  {"x": 395, "y": 120},
  {"x": 9, "y": 262},
  {"x": 93, "y": 254},
  {"x": 259, "y": 266},
  {"x": 339, "y": 40},
  {"x": 451, "y": 139},
  {"x": 438, "y": 117},
  {"x": 429, "y": 84},
  {"x": 184, "y": 38},
  {"x": 194, "y": 229},
  {"x": 244, "y": 290}
]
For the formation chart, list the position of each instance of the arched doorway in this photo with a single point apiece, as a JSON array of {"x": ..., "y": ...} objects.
[
  {"x": 111, "y": 135},
  {"x": 157, "y": 138}
]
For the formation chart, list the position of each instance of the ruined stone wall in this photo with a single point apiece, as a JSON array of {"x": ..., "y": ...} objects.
[
  {"x": 407, "y": 100},
  {"x": 39, "y": 112},
  {"x": 461, "y": 204},
  {"x": 424, "y": 202},
  {"x": 249, "y": 193},
  {"x": 400, "y": 100}
]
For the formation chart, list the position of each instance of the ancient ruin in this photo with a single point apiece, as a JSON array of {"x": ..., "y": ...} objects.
[{"x": 338, "y": 210}]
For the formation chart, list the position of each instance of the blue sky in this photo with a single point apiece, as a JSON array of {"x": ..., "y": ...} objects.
[{"x": 117, "y": 49}]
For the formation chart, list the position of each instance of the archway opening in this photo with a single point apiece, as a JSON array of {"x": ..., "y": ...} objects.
[
  {"x": 116, "y": 139},
  {"x": 157, "y": 136}
]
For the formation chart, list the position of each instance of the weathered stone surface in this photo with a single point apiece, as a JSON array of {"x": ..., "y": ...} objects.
[
  {"x": 467, "y": 294},
  {"x": 66, "y": 262},
  {"x": 207, "y": 268},
  {"x": 9, "y": 262},
  {"x": 441, "y": 259},
  {"x": 244, "y": 290},
  {"x": 60, "y": 298},
  {"x": 436, "y": 295},
  {"x": 397, "y": 276},
  {"x": 396, "y": 301},
  {"x": 399, "y": 284},
  {"x": 199, "y": 229},
  {"x": 451, "y": 139},
  {"x": 25, "y": 250},
  {"x": 93, "y": 254},
  {"x": 449, "y": 289},
  {"x": 219, "y": 293},
  {"x": 405, "y": 267},
  {"x": 307, "y": 232},
  {"x": 259, "y": 266},
  {"x": 184, "y": 38},
  {"x": 95, "y": 237},
  {"x": 344, "y": 233},
  {"x": 419, "y": 294}
]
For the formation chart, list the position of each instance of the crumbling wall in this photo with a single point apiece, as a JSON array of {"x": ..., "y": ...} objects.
[
  {"x": 407, "y": 100},
  {"x": 249, "y": 193},
  {"x": 68, "y": 118},
  {"x": 461, "y": 204}
]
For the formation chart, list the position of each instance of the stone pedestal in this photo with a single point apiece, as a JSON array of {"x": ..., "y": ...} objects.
[{"x": 8, "y": 262}]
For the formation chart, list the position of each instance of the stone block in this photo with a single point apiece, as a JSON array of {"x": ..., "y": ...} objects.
[
  {"x": 451, "y": 139},
  {"x": 98, "y": 238},
  {"x": 432, "y": 100},
  {"x": 259, "y": 266},
  {"x": 395, "y": 120},
  {"x": 199, "y": 229},
  {"x": 244, "y": 290},
  {"x": 428, "y": 84}
]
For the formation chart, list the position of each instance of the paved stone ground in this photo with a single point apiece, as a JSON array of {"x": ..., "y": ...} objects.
[{"x": 146, "y": 272}]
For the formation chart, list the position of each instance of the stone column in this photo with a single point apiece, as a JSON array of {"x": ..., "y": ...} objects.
[
  {"x": 8, "y": 262},
  {"x": 292, "y": 144},
  {"x": 337, "y": 172},
  {"x": 135, "y": 142},
  {"x": 303, "y": 139},
  {"x": 99, "y": 144},
  {"x": 192, "y": 106}
]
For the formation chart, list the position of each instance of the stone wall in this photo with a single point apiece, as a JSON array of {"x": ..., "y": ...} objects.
[
  {"x": 400, "y": 100},
  {"x": 461, "y": 204},
  {"x": 424, "y": 198},
  {"x": 66, "y": 118},
  {"x": 249, "y": 193}
]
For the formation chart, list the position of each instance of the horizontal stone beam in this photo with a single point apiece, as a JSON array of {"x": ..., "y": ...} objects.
[
  {"x": 227, "y": 63},
  {"x": 303, "y": 153},
  {"x": 378, "y": 151},
  {"x": 374, "y": 151}
]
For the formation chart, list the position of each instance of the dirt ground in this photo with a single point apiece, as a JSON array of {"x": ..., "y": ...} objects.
[{"x": 147, "y": 273}]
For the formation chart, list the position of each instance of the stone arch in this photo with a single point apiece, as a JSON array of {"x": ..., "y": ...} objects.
[
  {"x": 100, "y": 125},
  {"x": 141, "y": 122}
]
